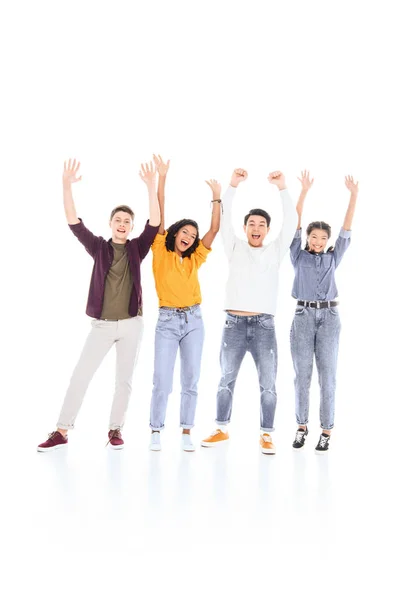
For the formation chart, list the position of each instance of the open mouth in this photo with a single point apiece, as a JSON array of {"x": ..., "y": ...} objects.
[
  {"x": 121, "y": 230},
  {"x": 185, "y": 243},
  {"x": 255, "y": 236}
]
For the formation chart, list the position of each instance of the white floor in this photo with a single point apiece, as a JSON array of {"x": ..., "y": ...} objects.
[{"x": 90, "y": 520}]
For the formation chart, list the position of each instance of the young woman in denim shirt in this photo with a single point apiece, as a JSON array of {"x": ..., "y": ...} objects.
[
  {"x": 178, "y": 253},
  {"x": 316, "y": 325}
]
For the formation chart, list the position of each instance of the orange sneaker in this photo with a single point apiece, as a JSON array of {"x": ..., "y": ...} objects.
[
  {"x": 216, "y": 438},
  {"x": 266, "y": 444}
]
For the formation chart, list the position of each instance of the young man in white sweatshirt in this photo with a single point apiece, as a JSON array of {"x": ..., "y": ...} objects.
[{"x": 250, "y": 305}]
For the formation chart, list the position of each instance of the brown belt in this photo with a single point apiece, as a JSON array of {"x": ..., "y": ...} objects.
[{"x": 317, "y": 304}]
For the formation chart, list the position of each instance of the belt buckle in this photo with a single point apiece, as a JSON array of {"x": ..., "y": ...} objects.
[{"x": 318, "y": 304}]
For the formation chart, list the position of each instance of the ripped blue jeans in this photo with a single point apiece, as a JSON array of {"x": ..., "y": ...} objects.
[{"x": 256, "y": 335}]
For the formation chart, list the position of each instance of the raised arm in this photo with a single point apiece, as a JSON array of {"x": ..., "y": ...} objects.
[
  {"x": 216, "y": 213},
  {"x": 306, "y": 184},
  {"x": 353, "y": 187},
  {"x": 70, "y": 176},
  {"x": 162, "y": 169},
  {"x": 227, "y": 231},
  {"x": 290, "y": 217},
  {"x": 148, "y": 174}
]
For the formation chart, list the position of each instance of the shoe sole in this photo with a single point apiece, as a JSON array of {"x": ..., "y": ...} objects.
[
  {"x": 321, "y": 451},
  {"x": 51, "y": 449},
  {"x": 188, "y": 449},
  {"x": 155, "y": 448},
  {"x": 298, "y": 449},
  {"x": 120, "y": 447},
  {"x": 211, "y": 444},
  {"x": 267, "y": 451}
]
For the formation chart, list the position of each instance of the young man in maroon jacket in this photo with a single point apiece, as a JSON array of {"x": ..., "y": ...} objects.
[{"x": 114, "y": 302}]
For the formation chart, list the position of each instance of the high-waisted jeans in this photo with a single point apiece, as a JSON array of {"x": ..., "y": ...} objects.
[
  {"x": 184, "y": 330},
  {"x": 315, "y": 331}
]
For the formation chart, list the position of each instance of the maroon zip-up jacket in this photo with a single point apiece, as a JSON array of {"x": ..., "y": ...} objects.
[{"x": 102, "y": 253}]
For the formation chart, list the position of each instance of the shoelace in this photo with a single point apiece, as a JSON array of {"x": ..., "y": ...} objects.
[
  {"x": 323, "y": 441},
  {"x": 300, "y": 435},
  {"x": 115, "y": 433},
  {"x": 53, "y": 434}
]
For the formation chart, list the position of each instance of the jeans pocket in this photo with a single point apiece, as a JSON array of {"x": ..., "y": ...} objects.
[
  {"x": 165, "y": 315},
  {"x": 267, "y": 322},
  {"x": 197, "y": 313},
  {"x": 230, "y": 321},
  {"x": 299, "y": 311},
  {"x": 333, "y": 311}
]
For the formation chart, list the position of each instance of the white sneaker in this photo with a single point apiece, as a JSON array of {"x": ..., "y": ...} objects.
[
  {"x": 187, "y": 444},
  {"x": 155, "y": 442}
]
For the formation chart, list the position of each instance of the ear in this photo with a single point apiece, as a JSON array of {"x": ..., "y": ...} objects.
[
  {"x": 244, "y": 228},
  {"x": 268, "y": 228}
]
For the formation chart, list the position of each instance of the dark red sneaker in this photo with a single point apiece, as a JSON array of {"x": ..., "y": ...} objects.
[
  {"x": 115, "y": 439},
  {"x": 55, "y": 440}
]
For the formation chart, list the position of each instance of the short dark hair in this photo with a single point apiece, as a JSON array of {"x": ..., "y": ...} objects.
[
  {"x": 123, "y": 208},
  {"x": 173, "y": 230},
  {"x": 319, "y": 225},
  {"x": 259, "y": 212}
]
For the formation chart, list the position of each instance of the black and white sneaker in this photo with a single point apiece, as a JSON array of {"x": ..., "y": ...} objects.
[
  {"x": 300, "y": 439},
  {"x": 323, "y": 445}
]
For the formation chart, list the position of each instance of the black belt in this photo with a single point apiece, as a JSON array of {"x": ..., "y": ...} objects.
[{"x": 317, "y": 304}]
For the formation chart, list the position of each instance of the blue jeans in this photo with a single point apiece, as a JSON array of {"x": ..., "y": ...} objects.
[
  {"x": 257, "y": 335},
  {"x": 315, "y": 331},
  {"x": 184, "y": 330}
]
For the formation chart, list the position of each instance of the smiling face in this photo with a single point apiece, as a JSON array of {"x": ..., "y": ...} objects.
[
  {"x": 256, "y": 229},
  {"x": 317, "y": 240},
  {"x": 121, "y": 225},
  {"x": 185, "y": 238}
]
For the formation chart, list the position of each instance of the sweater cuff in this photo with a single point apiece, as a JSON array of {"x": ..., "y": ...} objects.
[{"x": 298, "y": 233}]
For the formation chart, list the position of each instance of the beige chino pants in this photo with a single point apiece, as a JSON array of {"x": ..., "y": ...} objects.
[{"x": 127, "y": 336}]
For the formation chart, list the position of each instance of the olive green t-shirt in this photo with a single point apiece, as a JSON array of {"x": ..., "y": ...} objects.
[{"x": 118, "y": 288}]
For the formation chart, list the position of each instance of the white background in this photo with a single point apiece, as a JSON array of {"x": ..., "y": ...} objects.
[{"x": 212, "y": 86}]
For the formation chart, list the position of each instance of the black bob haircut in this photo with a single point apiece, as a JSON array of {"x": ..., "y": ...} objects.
[
  {"x": 259, "y": 212},
  {"x": 173, "y": 230}
]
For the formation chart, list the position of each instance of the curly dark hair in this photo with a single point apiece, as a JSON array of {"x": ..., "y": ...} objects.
[
  {"x": 173, "y": 230},
  {"x": 319, "y": 225}
]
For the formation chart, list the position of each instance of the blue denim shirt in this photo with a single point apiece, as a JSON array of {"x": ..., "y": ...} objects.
[{"x": 315, "y": 273}]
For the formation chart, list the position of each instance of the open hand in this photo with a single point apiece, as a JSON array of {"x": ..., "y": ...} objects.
[
  {"x": 161, "y": 166},
  {"x": 351, "y": 184},
  {"x": 215, "y": 188},
  {"x": 238, "y": 176},
  {"x": 277, "y": 178},
  {"x": 148, "y": 173},
  {"x": 305, "y": 181},
  {"x": 70, "y": 174}
]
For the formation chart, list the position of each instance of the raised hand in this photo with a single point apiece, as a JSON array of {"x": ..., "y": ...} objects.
[
  {"x": 238, "y": 176},
  {"x": 305, "y": 181},
  {"x": 148, "y": 173},
  {"x": 215, "y": 188},
  {"x": 277, "y": 178},
  {"x": 70, "y": 174},
  {"x": 161, "y": 166},
  {"x": 351, "y": 184}
]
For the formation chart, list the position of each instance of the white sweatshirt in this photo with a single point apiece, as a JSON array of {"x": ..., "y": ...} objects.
[{"x": 253, "y": 272}]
